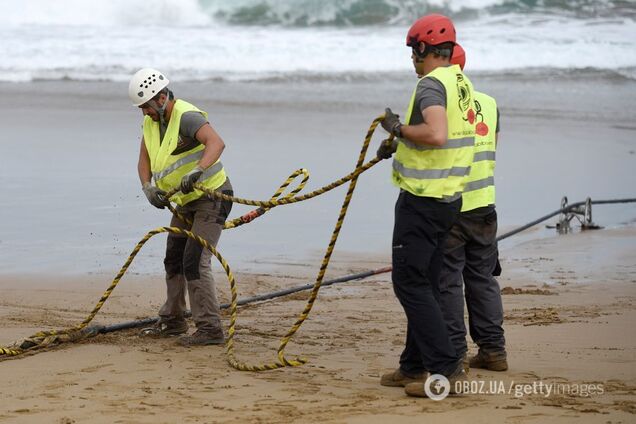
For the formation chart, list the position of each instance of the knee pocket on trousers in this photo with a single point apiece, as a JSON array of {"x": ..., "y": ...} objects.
[
  {"x": 173, "y": 262},
  {"x": 398, "y": 260},
  {"x": 192, "y": 260},
  {"x": 225, "y": 208},
  {"x": 409, "y": 265}
]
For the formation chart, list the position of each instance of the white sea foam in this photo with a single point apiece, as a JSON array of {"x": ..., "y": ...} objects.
[{"x": 126, "y": 13}]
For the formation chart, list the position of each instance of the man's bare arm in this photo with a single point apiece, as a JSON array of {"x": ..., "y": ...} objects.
[
  {"x": 143, "y": 166},
  {"x": 213, "y": 143},
  {"x": 432, "y": 132}
]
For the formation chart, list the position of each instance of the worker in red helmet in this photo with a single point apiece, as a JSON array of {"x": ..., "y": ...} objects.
[
  {"x": 459, "y": 56},
  {"x": 470, "y": 252},
  {"x": 433, "y": 154}
]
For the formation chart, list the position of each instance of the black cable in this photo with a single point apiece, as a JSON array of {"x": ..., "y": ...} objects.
[
  {"x": 562, "y": 210},
  {"x": 351, "y": 277},
  {"x": 247, "y": 300}
]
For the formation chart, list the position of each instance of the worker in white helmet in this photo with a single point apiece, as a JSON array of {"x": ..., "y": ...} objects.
[{"x": 179, "y": 148}]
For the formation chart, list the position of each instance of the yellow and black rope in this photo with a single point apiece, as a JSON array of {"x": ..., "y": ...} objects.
[{"x": 46, "y": 338}]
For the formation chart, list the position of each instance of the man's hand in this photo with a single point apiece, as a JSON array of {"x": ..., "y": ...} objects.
[
  {"x": 156, "y": 196},
  {"x": 189, "y": 179},
  {"x": 387, "y": 148},
  {"x": 391, "y": 123}
]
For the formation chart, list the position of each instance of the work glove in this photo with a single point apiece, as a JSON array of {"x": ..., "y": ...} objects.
[
  {"x": 387, "y": 148},
  {"x": 156, "y": 196},
  {"x": 189, "y": 179},
  {"x": 391, "y": 123}
]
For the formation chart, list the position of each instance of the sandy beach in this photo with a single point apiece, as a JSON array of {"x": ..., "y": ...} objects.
[{"x": 567, "y": 325}]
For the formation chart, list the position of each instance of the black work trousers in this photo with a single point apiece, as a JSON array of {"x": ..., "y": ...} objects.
[
  {"x": 470, "y": 256},
  {"x": 421, "y": 227}
]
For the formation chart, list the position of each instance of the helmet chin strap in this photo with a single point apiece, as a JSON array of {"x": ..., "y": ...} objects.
[
  {"x": 160, "y": 109},
  {"x": 419, "y": 67}
]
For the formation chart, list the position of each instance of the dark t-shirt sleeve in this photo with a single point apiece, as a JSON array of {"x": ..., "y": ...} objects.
[
  {"x": 497, "y": 130},
  {"x": 191, "y": 122},
  {"x": 430, "y": 92}
]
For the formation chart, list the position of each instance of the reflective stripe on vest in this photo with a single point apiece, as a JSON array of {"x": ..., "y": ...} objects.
[
  {"x": 450, "y": 144},
  {"x": 480, "y": 185},
  {"x": 167, "y": 169},
  {"x": 440, "y": 171}
]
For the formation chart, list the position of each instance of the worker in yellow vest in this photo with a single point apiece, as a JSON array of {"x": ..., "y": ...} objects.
[
  {"x": 433, "y": 156},
  {"x": 470, "y": 253},
  {"x": 179, "y": 148}
]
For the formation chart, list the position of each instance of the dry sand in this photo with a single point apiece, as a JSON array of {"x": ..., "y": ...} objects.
[{"x": 570, "y": 319}]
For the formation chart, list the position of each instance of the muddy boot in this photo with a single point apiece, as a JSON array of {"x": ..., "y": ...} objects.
[
  {"x": 166, "y": 328},
  {"x": 466, "y": 363},
  {"x": 493, "y": 361},
  {"x": 455, "y": 380},
  {"x": 399, "y": 379},
  {"x": 203, "y": 338}
]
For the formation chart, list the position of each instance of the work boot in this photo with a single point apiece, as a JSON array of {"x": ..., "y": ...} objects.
[
  {"x": 398, "y": 379},
  {"x": 455, "y": 379},
  {"x": 203, "y": 338},
  {"x": 493, "y": 361},
  {"x": 166, "y": 328}
]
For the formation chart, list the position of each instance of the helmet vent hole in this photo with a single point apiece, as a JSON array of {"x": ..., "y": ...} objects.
[
  {"x": 429, "y": 32},
  {"x": 442, "y": 30},
  {"x": 160, "y": 77}
]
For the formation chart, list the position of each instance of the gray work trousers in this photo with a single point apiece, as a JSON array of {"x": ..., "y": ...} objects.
[
  {"x": 187, "y": 263},
  {"x": 470, "y": 254}
]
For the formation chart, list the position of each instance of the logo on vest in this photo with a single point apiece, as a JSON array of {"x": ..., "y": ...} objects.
[
  {"x": 481, "y": 128},
  {"x": 464, "y": 99}
]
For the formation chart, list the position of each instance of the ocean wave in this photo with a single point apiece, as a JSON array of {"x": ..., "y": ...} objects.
[
  {"x": 494, "y": 43},
  {"x": 339, "y": 13},
  {"x": 290, "y": 13}
]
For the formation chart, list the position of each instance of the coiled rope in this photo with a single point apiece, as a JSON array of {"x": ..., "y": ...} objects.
[{"x": 43, "y": 339}]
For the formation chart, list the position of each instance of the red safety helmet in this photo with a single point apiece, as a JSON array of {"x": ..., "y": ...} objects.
[
  {"x": 459, "y": 56},
  {"x": 431, "y": 29}
]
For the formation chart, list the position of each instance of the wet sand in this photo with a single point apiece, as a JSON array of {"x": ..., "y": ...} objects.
[
  {"x": 68, "y": 166},
  {"x": 566, "y": 324}
]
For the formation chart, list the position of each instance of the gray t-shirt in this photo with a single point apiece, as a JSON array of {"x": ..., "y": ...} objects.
[
  {"x": 430, "y": 92},
  {"x": 190, "y": 123}
]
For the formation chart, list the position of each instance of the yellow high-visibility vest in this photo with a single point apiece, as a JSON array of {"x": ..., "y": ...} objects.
[
  {"x": 167, "y": 169},
  {"x": 440, "y": 171},
  {"x": 480, "y": 185}
]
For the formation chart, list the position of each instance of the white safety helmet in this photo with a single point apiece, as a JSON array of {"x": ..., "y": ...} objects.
[{"x": 146, "y": 84}]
